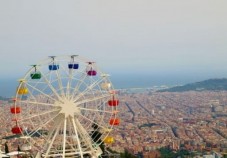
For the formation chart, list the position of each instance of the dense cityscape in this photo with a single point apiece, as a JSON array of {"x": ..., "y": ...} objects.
[{"x": 193, "y": 121}]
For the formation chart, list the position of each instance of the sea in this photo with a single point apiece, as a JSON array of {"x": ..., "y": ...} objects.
[{"x": 120, "y": 81}]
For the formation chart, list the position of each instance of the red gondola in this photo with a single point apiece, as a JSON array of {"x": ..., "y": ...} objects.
[
  {"x": 114, "y": 121},
  {"x": 16, "y": 130},
  {"x": 15, "y": 110},
  {"x": 113, "y": 102}
]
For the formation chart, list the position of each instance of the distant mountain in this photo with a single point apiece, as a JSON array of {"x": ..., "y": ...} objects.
[{"x": 211, "y": 84}]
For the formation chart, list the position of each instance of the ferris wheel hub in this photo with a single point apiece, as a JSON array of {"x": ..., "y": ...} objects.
[{"x": 68, "y": 107}]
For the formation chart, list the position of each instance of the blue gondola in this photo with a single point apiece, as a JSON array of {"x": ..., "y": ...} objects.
[
  {"x": 53, "y": 67},
  {"x": 73, "y": 66}
]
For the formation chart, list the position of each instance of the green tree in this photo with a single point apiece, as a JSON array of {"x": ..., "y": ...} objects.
[{"x": 127, "y": 154}]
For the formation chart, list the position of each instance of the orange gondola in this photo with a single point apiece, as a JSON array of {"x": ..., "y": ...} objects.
[
  {"x": 114, "y": 121},
  {"x": 15, "y": 110}
]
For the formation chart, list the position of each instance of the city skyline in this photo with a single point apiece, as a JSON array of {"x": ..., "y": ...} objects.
[{"x": 123, "y": 37}]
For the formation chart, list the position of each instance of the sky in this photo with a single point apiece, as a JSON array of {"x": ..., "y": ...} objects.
[{"x": 159, "y": 37}]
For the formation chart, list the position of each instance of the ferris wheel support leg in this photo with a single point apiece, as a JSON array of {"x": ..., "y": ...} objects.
[
  {"x": 85, "y": 136},
  {"x": 64, "y": 137},
  {"x": 77, "y": 137},
  {"x": 38, "y": 155},
  {"x": 52, "y": 141}
]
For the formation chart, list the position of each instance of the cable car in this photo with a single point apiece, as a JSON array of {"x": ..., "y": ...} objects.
[
  {"x": 91, "y": 73},
  {"x": 113, "y": 102},
  {"x": 109, "y": 140},
  {"x": 35, "y": 75},
  {"x": 73, "y": 64},
  {"x": 54, "y": 67},
  {"x": 114, "y": 121},
  {"x": 26, "y": 147},
  {"x": 90, "y": 69},
  {"x": 22, "y": 90},
  {"x": 16, "y": 130},
  {"x": 105, "y": 85},
  {"x": 15, "y": 110}
]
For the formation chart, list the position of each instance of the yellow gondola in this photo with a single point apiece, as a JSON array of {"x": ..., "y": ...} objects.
[
  {"x": 109, "y": 140},
  {"x": 22, "y": 91}
]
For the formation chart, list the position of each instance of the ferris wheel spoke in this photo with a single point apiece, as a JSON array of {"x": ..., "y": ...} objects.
[
  {"x": 50, "y": 85},
  {"x": 83, "y": 77},
  {"x": 43, "y": 125},
  {"x": 96, "y": 110},
  {"x": 89, "y": 88},
  {"x": 77, "y": 137},
  {"x": 37, "y": 103},
  {"x": 84, "y": 134},
  {"x": 52, "y": 131},
  {"x": 60, "y": 83},
  {"x": 40, "y": 114},
  {"x": 52, "y": 140},
  {"x": 93, "y": 122},
  {"x": 64, "y": 136},
  {"x": 69, "y": 83},
  {"x": 92, "y": 99},
  {"x": 41, "y": 92}
]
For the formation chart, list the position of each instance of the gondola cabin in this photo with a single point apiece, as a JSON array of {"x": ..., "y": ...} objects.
[
  {"x": 109, "y": 140},
  {"x": 16, "y": 130},
  {"x": 26, "y": 147},
  {"x": 73, "y": 66},
  {"x": 114, "y": 121},
  {"x": 53, "y": 67},
  {"x": 22, "y": 90},
  {"x": 105, "y": 85},
  {"x": 15, "y": 110},
  {"x": 113, "y": 102},
  {"x": 91, "y": 73},
  {"x": 36, "y": 75}
]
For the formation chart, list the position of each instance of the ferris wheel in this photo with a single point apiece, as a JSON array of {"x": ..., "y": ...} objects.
[{"x": 65, "y": 106}]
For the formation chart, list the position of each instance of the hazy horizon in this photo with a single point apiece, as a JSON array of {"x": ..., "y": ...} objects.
[
  {"x": 8, "y": 85},
  {"x": 161, "y": 38}
]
